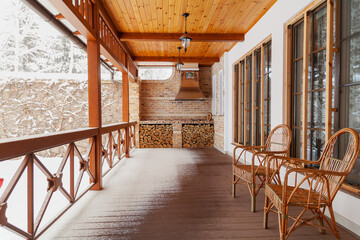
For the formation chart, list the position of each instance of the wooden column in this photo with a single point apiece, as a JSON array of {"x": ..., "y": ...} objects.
[
  {"x": 94, "y": 99},
  {"x": 30, "y": 195},
  {"x": 125, "y": 110},
  {"x": 305, "y": 87},
  {"x": 329, "y": 68}
]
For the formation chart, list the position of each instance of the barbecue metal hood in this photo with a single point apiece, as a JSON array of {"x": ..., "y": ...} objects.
[{"x": 190, "y": 88}]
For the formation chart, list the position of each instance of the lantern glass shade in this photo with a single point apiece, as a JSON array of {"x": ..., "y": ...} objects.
[
  {"x": 186, "y": 42},
  {"x": 185, "y": 39},
  {"x": 179, "y": 66}
]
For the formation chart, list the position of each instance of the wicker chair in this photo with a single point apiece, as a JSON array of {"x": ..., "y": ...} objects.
[
  {"x": 311, "y": 189},
  {"x": 278, "y": 143}
]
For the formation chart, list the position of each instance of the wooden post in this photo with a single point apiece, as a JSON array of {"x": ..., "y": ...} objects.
[
  {"x": 94, "y": 99},
  {"x": 305, "y": 87},
  {"x": 72, "y": 179},
  {"x": 125, "y": 109},
  {"x": 30, "y": 196},
  {"x": 329, "y": 68}
]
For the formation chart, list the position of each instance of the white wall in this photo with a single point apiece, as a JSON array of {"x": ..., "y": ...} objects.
[{"x": 273, "y": 24}]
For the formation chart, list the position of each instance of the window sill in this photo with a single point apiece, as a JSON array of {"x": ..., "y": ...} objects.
[{"x": 351, "y": 190}]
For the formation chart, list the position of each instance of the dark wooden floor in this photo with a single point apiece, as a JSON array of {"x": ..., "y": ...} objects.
[{"x": 171, "y": 194}]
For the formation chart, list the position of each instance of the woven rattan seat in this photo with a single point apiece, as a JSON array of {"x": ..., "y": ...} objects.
[
  {"x": 278, "y": 143},
  {"x": 311, "y": 189},
  {"x": 300, "y": 196},
  {"x": 244, "y": 171}
]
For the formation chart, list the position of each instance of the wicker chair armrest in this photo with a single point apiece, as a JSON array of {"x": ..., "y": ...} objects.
[
  {"x": 245, "y": 149},
  {"x": 315, "y": 171},
  {"x": 311, "y": 176},
  {"x": 297, "y": 160}
]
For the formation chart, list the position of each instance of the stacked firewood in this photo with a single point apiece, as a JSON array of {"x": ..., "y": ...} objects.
[
  {"x": 197, "y": 135},
  {"x": 156, "y": 136}
]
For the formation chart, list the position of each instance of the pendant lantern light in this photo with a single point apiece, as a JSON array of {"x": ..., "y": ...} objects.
[
  {"x": 179, "y": 64},
  {"x": 185, "y": 38}
]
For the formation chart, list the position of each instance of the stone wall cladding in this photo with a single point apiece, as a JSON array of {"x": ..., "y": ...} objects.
[
  {"x": 218, "y": 120},
  {"x": 31, "y": 107},
  {"x": 157, "y": 99}
]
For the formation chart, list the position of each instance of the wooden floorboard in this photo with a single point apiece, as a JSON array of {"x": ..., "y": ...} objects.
[{"x": 172, "y": 194}]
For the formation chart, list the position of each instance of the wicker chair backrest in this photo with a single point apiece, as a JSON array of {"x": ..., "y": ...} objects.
[{"x": 279, "y": 139}]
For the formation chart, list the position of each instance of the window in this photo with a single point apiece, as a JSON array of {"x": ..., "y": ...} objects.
[
  {"x": 155, "y": 73},
  {"x": 257, "y": 98},
  {"x": 221, "y": 93},
  {"x": 297, "y": 87},
  {"x": 236, "y": 103},
  {"x": 213, "y": 102},
  {"x": 309, "y": 93},
  {"x": 267, "y": 89},
  {"x": 347, "y": 80},
  {"x": 252, "y": 76}
]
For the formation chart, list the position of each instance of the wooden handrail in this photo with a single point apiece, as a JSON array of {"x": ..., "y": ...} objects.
[
  {"x": 20, "y": 146},
  {"x": 16, "y": 147},
  {"x": 113, "y": 127}
]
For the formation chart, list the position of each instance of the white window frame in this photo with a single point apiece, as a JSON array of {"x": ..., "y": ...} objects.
[
  {"x": 213, "y": 101},
  {"x": 221, "y": 93}
]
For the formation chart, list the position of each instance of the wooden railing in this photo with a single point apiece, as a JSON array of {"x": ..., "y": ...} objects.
[
  {"x": 85, "y": 8},
  {"x": 111, "y": 42},
  {"x": 114, "y": 148}
]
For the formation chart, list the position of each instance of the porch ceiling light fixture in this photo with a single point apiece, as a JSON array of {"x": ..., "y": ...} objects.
[
  {"x": 179, "y": 64},
  {"x": 185, "y": 38}
]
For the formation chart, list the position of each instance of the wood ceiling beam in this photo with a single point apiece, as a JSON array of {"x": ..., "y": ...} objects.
[
  {"x": 175, "y": 59},
  {"x": 174, "y": 37}
]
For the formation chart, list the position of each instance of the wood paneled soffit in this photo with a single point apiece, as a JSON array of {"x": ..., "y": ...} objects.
[{"x": 175, "y": 59}]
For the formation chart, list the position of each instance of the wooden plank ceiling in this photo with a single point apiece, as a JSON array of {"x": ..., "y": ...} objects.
[{"x": 215, "y": 17}]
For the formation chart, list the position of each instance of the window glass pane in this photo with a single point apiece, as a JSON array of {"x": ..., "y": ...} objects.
[
  {"x": 266, "y": 120},
  {"x": 319, "y": 34},
  {"x": 298, "y": 72},
  {"x": 350, "y": 107},
  {"x": 317, "y": 109},
  {"x": 157, "y": 73},
  {"x": 316, "y": 143},
  {"x": 350, "y": 60},
  {"x": 269, "y": 57},
  {"x": 350, "y": 17},
  {"x": 298, "y": 40},
  {"x": 297, "y": 142},
  {"x": 319, "y": 71},
  {"x": 297, "y": 110}
]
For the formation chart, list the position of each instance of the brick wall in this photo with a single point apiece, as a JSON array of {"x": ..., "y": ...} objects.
[
  {"x": 134, "y": 105},
  {"x": 157, "y": 99},
  {"x": 218, "y": 120}
]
